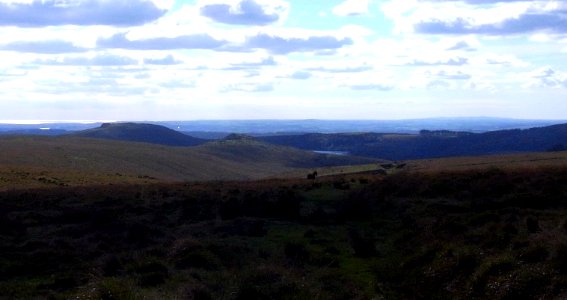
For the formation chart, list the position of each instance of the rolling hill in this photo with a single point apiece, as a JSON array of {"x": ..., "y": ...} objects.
[
  {"x": 138, "y": 132},
  {"x": 431, "y": 144},
  {"x": 36, "y": 161}
]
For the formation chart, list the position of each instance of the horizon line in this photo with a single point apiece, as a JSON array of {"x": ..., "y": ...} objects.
[{"x": 40, "y": 122}]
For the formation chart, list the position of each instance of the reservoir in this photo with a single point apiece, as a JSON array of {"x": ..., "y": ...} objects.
[{"x": 331, "y": 152}]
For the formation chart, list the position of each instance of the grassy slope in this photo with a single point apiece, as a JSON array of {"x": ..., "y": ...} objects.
[{"x": 40, "y": 161}]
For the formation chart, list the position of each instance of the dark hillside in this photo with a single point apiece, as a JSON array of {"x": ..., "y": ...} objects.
[
  {"x": 431, "y": 144},
  {"x": 244, "y": 149},
  {"x": 136, "y": 132}
]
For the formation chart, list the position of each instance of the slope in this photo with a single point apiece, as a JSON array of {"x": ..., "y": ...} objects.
[{"x": 39, "y": 161}]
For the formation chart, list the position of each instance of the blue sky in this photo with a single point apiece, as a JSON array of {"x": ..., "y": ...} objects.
[{"x": 277, "y": 59}]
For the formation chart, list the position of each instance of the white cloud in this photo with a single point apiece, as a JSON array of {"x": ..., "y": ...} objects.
[
  {"x": 244, "y": 12},
  {"x": 351, "y": 8},
  {"x": 43, "y": 13},
  {"x": 477, "y": 17},
  {"x": 546, "y": 77}
]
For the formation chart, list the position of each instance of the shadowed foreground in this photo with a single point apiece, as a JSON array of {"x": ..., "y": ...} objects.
[{"x": 460, "y": 235}]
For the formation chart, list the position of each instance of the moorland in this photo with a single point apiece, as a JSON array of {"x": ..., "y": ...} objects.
[{"x": 100, "y": 218}]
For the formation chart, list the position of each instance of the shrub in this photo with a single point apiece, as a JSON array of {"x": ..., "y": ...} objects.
[
  {"x": 296, "y": 253},
  {"x": 362, "y": 246}
]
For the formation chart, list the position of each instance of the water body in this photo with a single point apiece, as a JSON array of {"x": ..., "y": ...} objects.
[{"x": 331, "y": 152}]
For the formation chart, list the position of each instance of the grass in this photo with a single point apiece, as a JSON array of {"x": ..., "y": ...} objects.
[
  {"x": 482, "y": 233},
  {"x": 30, "y": 162},
  {"x": 501, "y": 161}
]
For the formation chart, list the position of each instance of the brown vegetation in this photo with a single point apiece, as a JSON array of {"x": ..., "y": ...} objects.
[{"x": 489, "y": 233}]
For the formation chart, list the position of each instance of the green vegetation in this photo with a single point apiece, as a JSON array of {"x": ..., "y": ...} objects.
[{"x": 487, "y": 233}]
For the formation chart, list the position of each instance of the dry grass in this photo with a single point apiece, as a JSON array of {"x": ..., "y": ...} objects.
[
  {"x": 506, "y": 161},
  {"x": 29, "y": 162}
]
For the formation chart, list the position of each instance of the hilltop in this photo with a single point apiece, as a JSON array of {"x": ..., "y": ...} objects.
[{"x": 138, "y": 132}]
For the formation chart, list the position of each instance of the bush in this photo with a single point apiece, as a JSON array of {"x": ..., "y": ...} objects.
[{"x": 296, "y": 253}]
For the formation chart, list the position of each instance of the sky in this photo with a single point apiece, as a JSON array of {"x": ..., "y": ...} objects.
[{"x": 276, "y": 59}]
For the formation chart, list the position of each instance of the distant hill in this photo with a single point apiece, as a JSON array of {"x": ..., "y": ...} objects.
[
  {"x": 137, "y": 132},
  {"x": 279, "y": 127},
  {"x": 46, "y": 132},
  {"x": 431, "y": 144}
]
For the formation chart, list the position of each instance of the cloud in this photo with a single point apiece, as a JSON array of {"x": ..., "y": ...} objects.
[
  {"x": 452, "y": 75},
  {"x": 461, "y": 45},
  {"x": 95, "y": 86},
  {"x": 249, "y": 87},
  {"x": 282, "y": 45},
  {"x": 479, "y": 1},
  {"x": 548, "y": 77},
  {"x": 301, "y": 75},
  {"x": 83, "y": 12},
  {"x": 355, "y": 69},
  {"x": 245, "y": 12},
  {"x": 99, "y": 60},
  {"x": 268, "y": 61},
  {"x": 375, "y": 86},
  {"x": 43, "y": 47},
  {"x": 351, "y": 8},
  {"x": 178, "y": 84},
  {"x": 438, "y": 84},
  {"x": 168, "y": 60},
  {"x": 459, "y": 61},
  {"x": 531, "y": 21},
  {"x": 194, "y": 41}
]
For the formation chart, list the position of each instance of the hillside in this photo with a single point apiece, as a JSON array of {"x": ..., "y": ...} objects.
[
  {"x": 483, "y": 234},
  {"x": 47, "y": 161},
  {"x": 248, "y": 150},
  {"x": 431, "y": 144},
  {"x": 138, "y": 132}
]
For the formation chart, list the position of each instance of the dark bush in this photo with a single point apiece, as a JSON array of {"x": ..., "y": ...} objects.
[
  {"x": 559, "y": 260},
  {"x": 532, "y": 225},
  {"x": 534, "y": 254},
  {"x": 296, "y": 253},
  {"x": 243, "y": 227},
  {"x": 200, "y": 259},
  {"x": 111, "y": 266},
  {"x": 197, "y": 292},
  {"x": 362, "y": 246}
]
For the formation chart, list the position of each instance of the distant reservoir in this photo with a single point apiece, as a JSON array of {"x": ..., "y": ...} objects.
[{"x": 331, "y": 152}]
